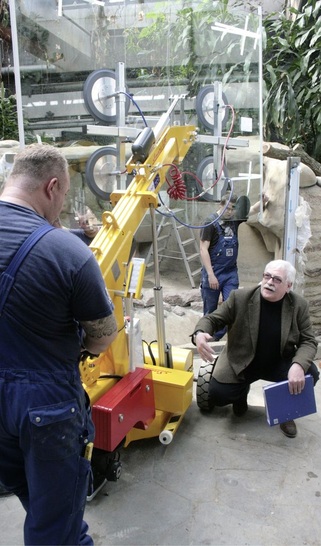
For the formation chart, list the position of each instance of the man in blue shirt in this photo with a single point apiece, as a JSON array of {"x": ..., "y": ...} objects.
[
  {"x": 219, "y": 250},
  {"x": 57, "y": 303},
  {"x": 219, "y": 247}
]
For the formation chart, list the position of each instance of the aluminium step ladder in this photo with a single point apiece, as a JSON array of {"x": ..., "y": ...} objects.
[{"x": 188, "y": 249}]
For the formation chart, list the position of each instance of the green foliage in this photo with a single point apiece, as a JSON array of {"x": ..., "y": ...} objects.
[
  {"x": 4, "y": 13},
  {"x": 8, "y": 116},
  {"x": 292, "y": 77},
  {"x": 184, "y": 50},
  {"x": 196, "y": 55}
]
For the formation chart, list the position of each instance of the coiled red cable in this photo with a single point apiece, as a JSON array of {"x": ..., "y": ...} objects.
[{"x": 176, "y": 190}]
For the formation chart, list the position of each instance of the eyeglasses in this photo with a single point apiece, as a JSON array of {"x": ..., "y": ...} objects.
[{"x": 269, "y": 277}]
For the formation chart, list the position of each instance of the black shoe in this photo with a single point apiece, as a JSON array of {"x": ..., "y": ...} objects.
[
  {"x": 240, "y": 407},
  {"x": 289, "y": 429}
]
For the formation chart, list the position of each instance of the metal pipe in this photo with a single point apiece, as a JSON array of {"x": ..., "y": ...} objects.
[
  {"x": 292, "y": 191},
  {"x": 16, "y": 64},
  {"x": 158, "y": 295},
  {"x": 61, "y": 124},
  {"x": 164, "y": 119},
  {"x": 121, "y": 122},
  {"x": 260, "y": 31},
  {"x": 29, "y": 68}
]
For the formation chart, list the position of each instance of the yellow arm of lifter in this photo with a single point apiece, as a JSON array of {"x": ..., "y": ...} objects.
[{"x": 112, "y": 244}]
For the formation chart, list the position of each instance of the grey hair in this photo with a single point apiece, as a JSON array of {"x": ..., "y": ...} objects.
[
  {"x": 287, "y": 267},
  {"x": 37, "y": 163}
]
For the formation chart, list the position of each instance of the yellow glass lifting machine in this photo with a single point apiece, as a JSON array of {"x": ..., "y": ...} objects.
[{"x": 131, "y": 400}]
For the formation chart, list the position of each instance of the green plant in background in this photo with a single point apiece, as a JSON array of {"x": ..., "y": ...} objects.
[
  {"x": 179, "y": 47},
  {"x": 148, "y": 42},
  {"x": 195, "y": 55},
  {"x": 8, "y": 116},
  {"x": 100, "y": 38},
  {"x": 292, "y": 76},
  {"x": 291, "y": 61},
  {"x": 211, "y": 55}
]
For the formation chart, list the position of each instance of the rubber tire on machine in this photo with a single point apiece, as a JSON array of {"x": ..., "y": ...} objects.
[
  {"x": 203, "y": 382},
  {"x": 102, "y": 109}
]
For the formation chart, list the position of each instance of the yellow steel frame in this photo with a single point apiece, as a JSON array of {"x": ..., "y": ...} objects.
[{"x": 112, "y": 246}]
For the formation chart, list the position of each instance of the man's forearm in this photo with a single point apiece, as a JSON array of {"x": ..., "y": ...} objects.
[
  {"x": 99, "y": 334},
  {"x": 206, "y": 261}
]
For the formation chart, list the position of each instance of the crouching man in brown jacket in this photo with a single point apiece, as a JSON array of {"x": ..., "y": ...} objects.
[{"x": 269, "y": 337}]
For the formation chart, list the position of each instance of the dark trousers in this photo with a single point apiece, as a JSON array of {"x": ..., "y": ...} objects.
[
  {"x": 44, "y": 427},
  {"x": 222, "y": 394},
  {"x": 228, "y": 281}
]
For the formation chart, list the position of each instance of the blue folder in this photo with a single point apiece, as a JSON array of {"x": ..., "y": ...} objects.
[{"x": 281, "y": 406}]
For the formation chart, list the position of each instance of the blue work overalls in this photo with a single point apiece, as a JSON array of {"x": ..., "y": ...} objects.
[
  {"x": 45, "y": 425},
  {"x": 224, "y": 263}
]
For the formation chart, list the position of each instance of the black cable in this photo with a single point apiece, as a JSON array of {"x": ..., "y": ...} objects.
[
  {"x": 150, "y": 351},
  {"x": 111, "y": 376}
]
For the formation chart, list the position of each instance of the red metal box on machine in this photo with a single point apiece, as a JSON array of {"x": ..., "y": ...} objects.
[{"x": 130, "y": 403}]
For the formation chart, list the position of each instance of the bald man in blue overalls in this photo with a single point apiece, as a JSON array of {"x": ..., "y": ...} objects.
[{"x": 53, "y": 304}]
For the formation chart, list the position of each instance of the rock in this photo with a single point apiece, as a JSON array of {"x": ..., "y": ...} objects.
[
  {"x": 178, "y": 311},
  {"x": 307, "y": 176},
  {"x": 173, "y": 297},
  {"x": 178, "y": 327},
  {"x": 152, "y": 311},
  {"x": 197, "y": 306}
]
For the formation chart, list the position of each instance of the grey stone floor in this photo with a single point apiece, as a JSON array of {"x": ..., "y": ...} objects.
[{"x": 222, "y": 481}]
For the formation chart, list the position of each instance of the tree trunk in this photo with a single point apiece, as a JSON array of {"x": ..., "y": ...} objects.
[{"x": 296, "y": 151}]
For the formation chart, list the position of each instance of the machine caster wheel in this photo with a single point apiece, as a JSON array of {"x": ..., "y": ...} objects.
[
  {"x": 114, "y": 471},
  {"x": 106, "y": 466},
  {"x": 165, "y": 437},
  {"x": 203, "y": 382}
]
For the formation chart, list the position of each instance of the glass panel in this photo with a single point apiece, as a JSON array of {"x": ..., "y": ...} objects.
[{"x": 202, "y": 51}]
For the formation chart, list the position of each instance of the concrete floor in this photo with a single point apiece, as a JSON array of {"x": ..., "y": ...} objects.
[{"x": 222, "y": 481}]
